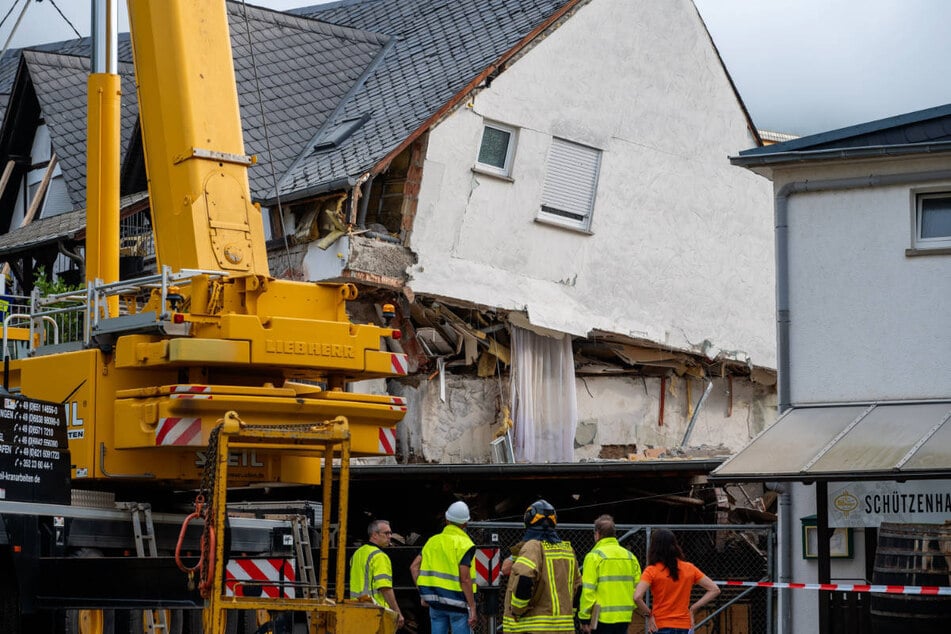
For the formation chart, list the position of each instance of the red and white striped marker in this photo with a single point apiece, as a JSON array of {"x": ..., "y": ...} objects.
[
  {"x": 387, "y": 441},
  {"x": 488, "y": 566},
  {"x": 178, "y": 431},
  {"x": 260, "y": 571},
  {"x": 398, "y": 363},
  {"x": 844, "y": 587},
  {"x": 192, "y": 389}
]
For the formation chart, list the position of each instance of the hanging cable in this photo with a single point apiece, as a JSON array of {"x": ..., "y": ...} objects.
[
  {"x": 267, "y": 138},
  {"x": 62, "y": 15},
  {"x": 6, "y": 45},
  {"x": 9, "y": 11}
]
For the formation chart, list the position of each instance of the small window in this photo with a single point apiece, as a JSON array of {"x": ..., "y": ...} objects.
[
  {"x": 496, "y": 149},
  {"x": 571, "y": 181},
  {"x": 933, "y": 221}
]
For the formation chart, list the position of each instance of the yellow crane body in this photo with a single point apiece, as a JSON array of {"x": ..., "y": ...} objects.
[{"x": 168, "y": 363}]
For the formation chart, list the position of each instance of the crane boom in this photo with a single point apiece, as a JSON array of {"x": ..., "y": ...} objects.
[{"x": 195, "y": 160}]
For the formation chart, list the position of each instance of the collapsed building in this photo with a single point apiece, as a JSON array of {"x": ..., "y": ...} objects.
[{"x": 582, "y": 282}]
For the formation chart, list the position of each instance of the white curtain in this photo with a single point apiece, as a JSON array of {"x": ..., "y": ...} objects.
[{"x": 544, "y": 404}]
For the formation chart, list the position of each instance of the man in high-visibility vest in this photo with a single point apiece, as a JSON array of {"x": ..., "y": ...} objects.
[
  {"x": 609, "y": 575},
  {"x": 371, "y": 572},
  {"x": 442, "y": 574},
  {"x": 539, "y": 597}
]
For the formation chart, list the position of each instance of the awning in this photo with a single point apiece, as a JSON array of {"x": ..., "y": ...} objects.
[{"x": 855, "y": 441}]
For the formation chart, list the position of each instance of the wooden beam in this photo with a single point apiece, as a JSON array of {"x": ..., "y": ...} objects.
[
  {"x": 7, "y": 171},
  {"x": 35, "y": 203}
]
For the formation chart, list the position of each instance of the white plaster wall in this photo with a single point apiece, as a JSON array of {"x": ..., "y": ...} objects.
[
  {"x": 681, "y": 249},
  {"x": 866, "y": 320},
  {"x": 625, "y": 411}
]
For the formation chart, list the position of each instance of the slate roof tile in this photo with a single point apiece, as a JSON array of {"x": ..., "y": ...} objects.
[
  {"x": 932, "y": 125},
  {"x": 60, "y": 85},
  {"x": 440, "y": 47},
  {"x": 397, "y": 61}
]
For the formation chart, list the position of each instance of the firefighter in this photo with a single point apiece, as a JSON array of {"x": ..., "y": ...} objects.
[
  {"x": 371, "y": 572},
  {"x": 442, "y": 574},
  {"x": 544, "y": 580},
  {"x": 609, "y": 575}
]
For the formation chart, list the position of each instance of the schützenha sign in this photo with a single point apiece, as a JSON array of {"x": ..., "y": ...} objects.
[{"x": 857, "y": 504}]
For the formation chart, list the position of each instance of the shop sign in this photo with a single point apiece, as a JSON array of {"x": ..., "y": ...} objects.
[{"x": 871, "y": 503}]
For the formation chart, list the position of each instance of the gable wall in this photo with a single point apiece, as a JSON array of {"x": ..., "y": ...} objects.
[
  {"x": 681, "y": 244},
  {"x": 872, "y": 329}
]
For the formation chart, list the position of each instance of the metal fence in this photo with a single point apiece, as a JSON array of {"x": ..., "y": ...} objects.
[{"x": 738, "y": 552}]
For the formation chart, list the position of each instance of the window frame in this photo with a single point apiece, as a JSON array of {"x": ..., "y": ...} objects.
[
  {"x": 506, "y": 170},
  {"x": 559, "y": 219},
  {"x": 918, "y": 243}
]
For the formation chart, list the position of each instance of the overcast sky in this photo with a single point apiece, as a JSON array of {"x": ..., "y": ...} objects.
[{"x": 801, "y": 66}]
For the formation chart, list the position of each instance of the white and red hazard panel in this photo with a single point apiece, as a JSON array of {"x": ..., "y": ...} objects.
[
  {"x": 179, "y": 430},
  {"x": 488, "y": 566},
  {"x": 387, "y": 441},
  {"x": 271, "y": 578}
]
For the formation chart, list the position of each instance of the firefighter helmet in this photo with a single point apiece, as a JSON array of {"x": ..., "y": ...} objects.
[{"x": 541, "y": 514}]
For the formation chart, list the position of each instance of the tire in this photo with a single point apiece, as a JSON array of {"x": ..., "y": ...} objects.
[
  {"x": 90, "y": 622},
  {"x": 242, "y": 622}
]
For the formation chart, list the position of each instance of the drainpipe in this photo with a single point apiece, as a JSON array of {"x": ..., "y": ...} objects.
[
  {"x": 783, "y": 320},
  {"x": 782, "y": 252},
  {"x": 784, "y": 538},
  {"x": 364, "y": 203}
]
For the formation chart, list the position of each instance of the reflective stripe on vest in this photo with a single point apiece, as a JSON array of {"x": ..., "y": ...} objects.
[
  {"x": 438, "y": 580},
  {"x": 616, "y": 591},
  {"x": 361, "y": 583}
]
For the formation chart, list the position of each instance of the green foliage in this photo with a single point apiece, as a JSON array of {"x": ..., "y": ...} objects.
[
  {"x": 70, "y": 322},
  {"x": 52, "y": 286}
]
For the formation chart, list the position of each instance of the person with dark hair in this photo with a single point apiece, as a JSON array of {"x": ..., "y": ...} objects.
[
  {"x": 544, "y": 578},
  {"x": 608, "y": 577},
  {"x": 371, "y": 573},
  {"x": 670, "y": 580}
]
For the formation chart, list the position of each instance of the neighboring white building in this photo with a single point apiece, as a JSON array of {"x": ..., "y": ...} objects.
[{"x": 863, "y": 217}]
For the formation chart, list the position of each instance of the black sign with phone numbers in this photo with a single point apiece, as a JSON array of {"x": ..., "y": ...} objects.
[{"x": 34, "y": 455}]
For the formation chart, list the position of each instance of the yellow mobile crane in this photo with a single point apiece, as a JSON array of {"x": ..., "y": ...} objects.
[{"x": 210, "y": 373}]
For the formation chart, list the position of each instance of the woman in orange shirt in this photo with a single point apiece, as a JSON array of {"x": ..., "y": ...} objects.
[{"x": 670, "y": 580}]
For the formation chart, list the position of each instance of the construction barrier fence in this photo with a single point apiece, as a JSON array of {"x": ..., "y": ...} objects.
[{"x": 739, "y": 553}]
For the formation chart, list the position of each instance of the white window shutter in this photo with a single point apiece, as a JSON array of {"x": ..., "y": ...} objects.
[{"x": 571, "y": 180}]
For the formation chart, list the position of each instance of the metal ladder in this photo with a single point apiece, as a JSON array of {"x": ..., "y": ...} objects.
[
  {"x": 306, "y": 573},
  {"x": 146, "y": 546}
]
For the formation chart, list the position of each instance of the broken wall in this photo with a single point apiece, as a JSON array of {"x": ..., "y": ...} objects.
[{"x": 617, "y": 417}]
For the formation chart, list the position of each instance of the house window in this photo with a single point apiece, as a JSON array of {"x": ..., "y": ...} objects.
[
  {"x": 933, "y": 221},
  {"x": 496, "y": 149},
  {"x": 571, "y": 180}
]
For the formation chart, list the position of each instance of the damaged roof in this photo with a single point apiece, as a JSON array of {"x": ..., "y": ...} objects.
[
  {"x": 343, "y": 85},
  {"x": 439, "y": 49}
]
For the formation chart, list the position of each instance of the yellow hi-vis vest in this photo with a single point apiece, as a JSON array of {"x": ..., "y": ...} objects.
[
  {"x": 438, "y": 580},
  {"x": 608, "y": 577},
  {"x": 370, "y": 571}
]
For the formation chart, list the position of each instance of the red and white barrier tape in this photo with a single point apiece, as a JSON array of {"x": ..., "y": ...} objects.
[{"x": 844, "y": 587}]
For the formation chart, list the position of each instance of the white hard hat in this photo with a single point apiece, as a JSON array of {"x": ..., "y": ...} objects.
[{"x": 458, "y": 513}]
